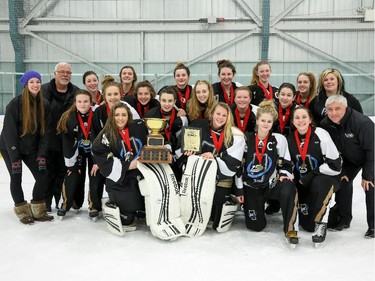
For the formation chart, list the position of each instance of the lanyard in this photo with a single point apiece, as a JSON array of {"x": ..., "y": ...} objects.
[
  {"x": 245, "y": 121},
  {"x": 85, "y": 131},
  {"x": 267, "y": 93},
  {"x": 125, "y": 136}
]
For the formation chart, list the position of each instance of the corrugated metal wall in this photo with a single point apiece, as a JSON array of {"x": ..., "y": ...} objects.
[{"x": 152, "y": 35}]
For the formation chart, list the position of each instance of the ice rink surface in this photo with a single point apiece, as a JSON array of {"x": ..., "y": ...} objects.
[{"x": 77, "y": 248}]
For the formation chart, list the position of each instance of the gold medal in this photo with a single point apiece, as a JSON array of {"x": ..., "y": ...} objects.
[
  {"x": 86, "y": 142},
  {"x": 259, "y": 167},
  {"x": 303, "y": 166}
]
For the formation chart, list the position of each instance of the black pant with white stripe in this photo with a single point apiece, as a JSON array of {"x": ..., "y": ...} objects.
[{"x": 285, "y": 192}]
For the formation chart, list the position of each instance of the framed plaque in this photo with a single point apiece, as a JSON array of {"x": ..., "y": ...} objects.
[{"x": 191, "y": 139}]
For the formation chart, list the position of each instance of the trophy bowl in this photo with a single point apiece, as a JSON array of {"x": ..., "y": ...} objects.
[
  {"x": 155, "y": 125},
  {"x": 155, "y": 151}
]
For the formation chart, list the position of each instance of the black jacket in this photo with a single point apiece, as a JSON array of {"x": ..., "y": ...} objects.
[
  {"x": 219, "y": 93},
  {"x": 322, "y": 156},
  {"x": 11, "y": 139},
  {"x": 250, "y": 126},
  {"x": 258, "y": 95},
  {"x": 59, "y": 103},
  {"x": 354, "y": 139}
]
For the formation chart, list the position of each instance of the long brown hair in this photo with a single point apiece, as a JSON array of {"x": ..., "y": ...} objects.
[
  {"x": 110, "y": 127},
  {"x": 32, "y": 108},
  {"x": 193, "y": 105},
  {"x": 255, "y": 77},
  {"x": 134, "y": 75},
  {"x": 312, "y": 90},
  {"x": 62, "y": 124}
]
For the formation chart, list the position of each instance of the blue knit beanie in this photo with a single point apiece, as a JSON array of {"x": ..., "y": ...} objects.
[{"x": 28, "y": 75}]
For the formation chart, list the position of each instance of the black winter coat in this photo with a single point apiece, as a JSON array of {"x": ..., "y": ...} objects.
[
  {"x": 59, "y": 103},
  {"x": 11, "y": 139},
  {"x": 354, "y": 138}
]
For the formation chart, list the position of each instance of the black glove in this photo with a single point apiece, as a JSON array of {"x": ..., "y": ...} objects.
[
  {"x": 41, "y": 164},
  {"x": 17, "y": 167}
]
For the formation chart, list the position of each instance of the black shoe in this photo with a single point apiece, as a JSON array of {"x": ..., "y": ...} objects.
[
  {"x": 369, "y": 233},
  {"x": 272, "y": 209},
  {"x": 61, "y": 212},
  {"x": 48, "y": 209},
  {"x": 339, "y": 226}
]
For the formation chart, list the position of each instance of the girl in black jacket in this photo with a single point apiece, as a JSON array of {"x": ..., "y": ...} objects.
[
  {"x": 116, "y": 151},
  {"x": 317, "y": 166},
  {"x": 268, "y": 175},
  {"x": 75, "y": 128},
  {"x": 24, "y": 139}
]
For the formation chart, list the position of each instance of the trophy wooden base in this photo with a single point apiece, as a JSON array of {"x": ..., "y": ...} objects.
[{"x": 152, "y": 154}]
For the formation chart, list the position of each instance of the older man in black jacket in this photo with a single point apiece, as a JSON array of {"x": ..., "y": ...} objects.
[
  {"x": 353, "y": 134},
  {"x": 59, "y": 92}
]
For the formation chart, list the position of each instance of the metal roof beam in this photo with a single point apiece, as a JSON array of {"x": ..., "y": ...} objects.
[
  {"x": 243, "y": 6},
  {"x": 67, "y": 52},
  {"x": 318, "y": 52},
  {"x": 285, "y": 12},
  {"x": 38, "y": 7}
]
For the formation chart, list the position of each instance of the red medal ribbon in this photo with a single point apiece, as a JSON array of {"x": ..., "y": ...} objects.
[
  {"x": 226, "y": 95},
  {"x": 108, "y": 110},
  {"x": 140, "y": 107},
  {"x": 283, "y": 119},
  {"x": 258, "y": 154},
  {"x": 267, "y": 94},
  {"x": 298, "y": 101},
  {"x": 125, "y": 136},
  {"x": 303, "y": 151},
  {"x": 85, "y": 131},
  {"x": 242, "y": 127},
  {"x": 183, "y": 100},
  {"x": 218, "y": 142},
  {"x": 170, "y": 123},
  {"x": 98, "y": 96}
]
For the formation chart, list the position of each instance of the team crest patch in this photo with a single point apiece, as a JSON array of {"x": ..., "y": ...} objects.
[
  {"x": 304, "y": 209},
  {"x": 253, "y": 215}
]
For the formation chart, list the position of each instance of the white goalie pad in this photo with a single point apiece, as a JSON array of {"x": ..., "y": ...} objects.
[
  {"x": 197, "y": 191},
  {"x": 161, "y": 191},
  {"x": 227, "y": 215},
  {"x": 111, "y": 215}
]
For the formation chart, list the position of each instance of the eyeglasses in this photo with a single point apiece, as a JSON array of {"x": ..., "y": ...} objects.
[{"x": 63, "y": 72}]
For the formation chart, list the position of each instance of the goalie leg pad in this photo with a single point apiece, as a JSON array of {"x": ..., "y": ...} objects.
[
  {"x": 227, "y": 215},
  {"x": 197, "y": 193},
  {"x": 161, "y": 191},
  {"x": 111, "y": 215}
]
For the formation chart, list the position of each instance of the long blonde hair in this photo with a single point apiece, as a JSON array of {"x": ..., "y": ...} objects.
[
  {"x": 340, "y": 82},
  {"x": 228, "y": 134},
  {"x": 193, "y": 104},
  {"x": 31, "y": 109}
]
